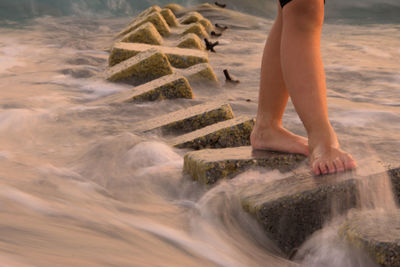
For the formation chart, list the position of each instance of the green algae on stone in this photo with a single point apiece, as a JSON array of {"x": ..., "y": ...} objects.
[
  {"x": 146, "y": 34},
  {"x": 200, "y": 73},
  {"x": 191, "y": 17},
  {"x": 178, "y": 57},
  {"x": 377, "y": 233},
  {"x": 230, "y": 133},
  {"x": 188, "y": 119},
  {"x": 155, "y": 17},
  {"x": 143, "y": 67},
  {"x": 169, "y": 17},
  {"x": 176, "y": 8},
  {"x": 394, "y": 175},
  {"x": 191, "y": 41},
  {"x": 196, "y": 28},
  {"x": 210, "y": 165}
]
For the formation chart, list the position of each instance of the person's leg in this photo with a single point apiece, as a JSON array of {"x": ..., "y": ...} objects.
[
  {"x": 268, "y": 133},
  {"x": 304, "y": 77}
]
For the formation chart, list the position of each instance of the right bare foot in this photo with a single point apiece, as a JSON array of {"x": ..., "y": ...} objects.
[
  {"x": 327, "y": 157},
  {"x": 278, "y": 139}
]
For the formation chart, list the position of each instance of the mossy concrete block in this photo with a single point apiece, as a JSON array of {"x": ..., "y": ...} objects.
[
  {"x": 143, "y": 67},
  {"x": 191, "y": 41},
  {"x": 210, "y": 165},
  {"x": 155, "y": 17},
  {"x": 394, "y": 175},
  {"x": 178, "y": 57},
  {"x": 176, "y": 8},
  {"x": 169, "y": 17},
  {"x": 189, "y": 119},
  {"x": 377, "y": 233},
  {"x": 196, "y": 28},
  {"x": 200, "y": 73},
  {"x": 207, "y": 25},
  {"x": 191, "y": 17},
  {"x": 230, "y": 133},
  {"x": 291, "y": 209},
  {"x": 146, "y": 34}
]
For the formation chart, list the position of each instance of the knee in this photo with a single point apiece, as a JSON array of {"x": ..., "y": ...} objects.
[{"x": 305, "y": 15}]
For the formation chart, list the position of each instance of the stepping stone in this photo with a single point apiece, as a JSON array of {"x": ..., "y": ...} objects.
[
  {"x": 292, "y": 209},
  {"x": 178, "y": 57},
  {"x": 169, "y": 17},
  {"x": 189, "y": 119},
  {"x": 143, "y": 67},
  {"x": 146, "y": 34},
  {"x": 196, "y": 28},
  {"x": 377, "y": 233},
  {"x": 155, "y": 17},
  {"x": 175, "y": 8},
  {"x": 191, "y": 41},
  {"x": 230, "y": 133},
  {"x": 167, "y": 87},
  {"x": 210, "y": 165},
  {"x": 191, "y": 17},
  {"x": 200, "y": 73}
]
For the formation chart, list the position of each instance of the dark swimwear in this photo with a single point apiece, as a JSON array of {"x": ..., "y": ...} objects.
[{"x": 284, "y": 2}]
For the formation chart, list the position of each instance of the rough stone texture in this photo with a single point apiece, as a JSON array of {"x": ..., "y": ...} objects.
[
  {"x": 167, "y": 87},
  {"x": 207, "y": 25},
  {"x": 155, "y": 17},
  {"x": 189, "y": 119},
  {"x": 377, "y": 233},
  {"x": 394, "y": 175},
  {"x": 209, "y": 165},
  {"x": 146, "y": 33},
  {"x": 143, "y": 67},
  {"x": 196, "y": 28},
  {"x": 291, "y": 209},
  {"x": 191, "y": 41},
  {"x": 169, "y": 17},
  {"x": 230, "y": 133},
  {"x": 200, "y": 73},
  {"x": 175, "y": 8},
  {"x": 178, "y": 57},
  {"x": 191, "y": 17}
]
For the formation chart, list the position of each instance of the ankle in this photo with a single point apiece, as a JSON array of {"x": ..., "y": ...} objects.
[{"x": 323, "y": 137}]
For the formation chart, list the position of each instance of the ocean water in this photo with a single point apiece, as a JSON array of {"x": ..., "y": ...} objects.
[{"x": 80, "y": 188}]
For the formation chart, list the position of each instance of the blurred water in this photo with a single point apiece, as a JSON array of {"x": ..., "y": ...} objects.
[{"x": 79, "y": 188}]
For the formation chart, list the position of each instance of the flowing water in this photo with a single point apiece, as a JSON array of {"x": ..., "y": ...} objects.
[{"x": 79, "y": 188}]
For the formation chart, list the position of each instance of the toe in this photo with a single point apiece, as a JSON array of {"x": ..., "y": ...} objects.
[
  {"x": 349, "y": 162},
  {"x": 323, "y": 168},
  {"x": 331, "y": 167},
  {"x": 315, "y": 168},
  {"x": 339, "y": 165}
]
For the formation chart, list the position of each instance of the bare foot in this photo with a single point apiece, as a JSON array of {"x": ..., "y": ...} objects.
[
  {"x": 278, "y": 139},
  {"x": 327, "y": 158}
]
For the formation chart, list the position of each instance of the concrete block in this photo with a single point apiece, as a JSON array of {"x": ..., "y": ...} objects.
[
  {"x": 148, "y": 11},
  {"x": 169, "y": 17},
  {"x": 196, "y": 28},
  {"x": 175, "y": 8},
  {"x": 394, "y": 175},
  {"x": 377, "y": 233},
  {"x": 187, "y": 120},
  {"x": 200, "y": 73},
  {"x": 207, "y": 25},
  {"x": 210, "y": 165},
  {"x": 143, "y": 67},
  {"x": 191, "y": 41},
  {"x": 230, "y": 133},
  {"x": 155, "y": 17},
  {"x": 291, "y": 209},
  {"x": 146, "y": 34},
  {"x": 167, "y": 87},
  {"x": 191, "y": 17},
  {"x": 178, "y": 57}
]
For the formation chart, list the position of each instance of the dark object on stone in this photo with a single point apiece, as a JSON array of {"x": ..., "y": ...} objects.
[
  {"x": 210, "y": 45},
  {"x": 216, "y": 34},
  {"x": 248, "y": 100},
  {"x": 221, "y": 27},
  {"x": 229, "y": 78},
  {"x": 220, "y": 5}
]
